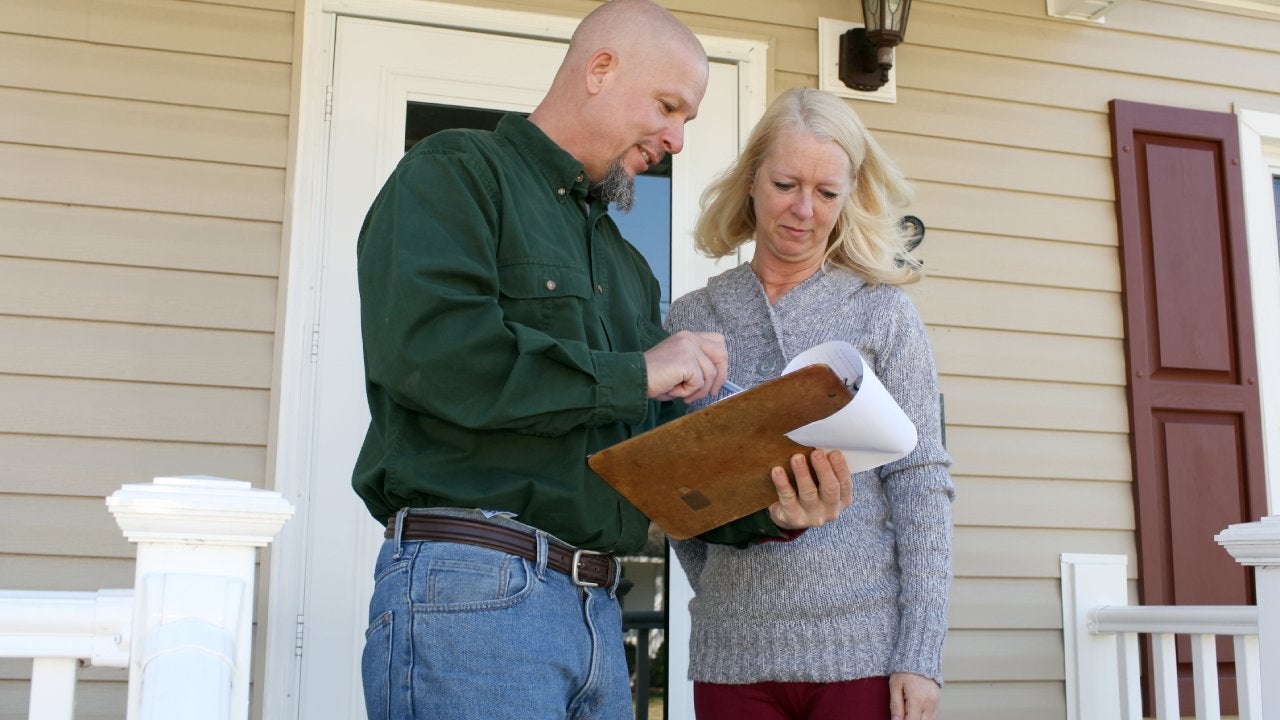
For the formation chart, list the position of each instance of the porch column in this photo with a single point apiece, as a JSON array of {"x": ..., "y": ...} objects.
[
  {"x": 1258, "y": 544},
  {"x": 193, "y": 592},
  {"x": 1095, "y": 690}
]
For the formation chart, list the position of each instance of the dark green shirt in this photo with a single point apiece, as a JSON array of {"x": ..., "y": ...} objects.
[{"x": 504, "y": 320}]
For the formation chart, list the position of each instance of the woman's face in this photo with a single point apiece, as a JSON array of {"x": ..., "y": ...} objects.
[{"x": 798, "y": 193}]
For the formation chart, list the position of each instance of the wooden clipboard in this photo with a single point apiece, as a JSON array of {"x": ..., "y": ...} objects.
[{"x": 712, "y": 466}]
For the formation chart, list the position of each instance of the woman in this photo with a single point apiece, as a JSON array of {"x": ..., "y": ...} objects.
[{"x": 846, "y": 620}]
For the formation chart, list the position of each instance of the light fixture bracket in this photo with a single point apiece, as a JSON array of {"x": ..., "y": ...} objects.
[
  {"x": 863, "y": 66},
  {"x": 829, "y": 32}
]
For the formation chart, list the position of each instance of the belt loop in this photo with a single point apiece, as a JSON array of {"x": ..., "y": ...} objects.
[
  {"x": 617, "y": 578},
  {"x": 399, "y": 528},
  {"x": 542, "y": 555}
]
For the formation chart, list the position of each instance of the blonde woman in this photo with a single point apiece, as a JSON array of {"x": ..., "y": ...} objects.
[{"x": 846, "y": 620}]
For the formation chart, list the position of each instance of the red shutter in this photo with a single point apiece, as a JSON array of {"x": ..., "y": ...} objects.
[{"x": 1193, "y": 399}]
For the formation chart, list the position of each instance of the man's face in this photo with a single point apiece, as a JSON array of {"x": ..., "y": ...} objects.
[{"x": 647, "y": 106}]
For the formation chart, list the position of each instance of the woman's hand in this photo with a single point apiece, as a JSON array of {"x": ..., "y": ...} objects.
[
  {"x": 810, "y": 504},
  {"x": 912, "y": 697}
]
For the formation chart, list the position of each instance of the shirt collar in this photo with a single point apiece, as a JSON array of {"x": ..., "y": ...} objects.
[{"x": 563, "y": 173}]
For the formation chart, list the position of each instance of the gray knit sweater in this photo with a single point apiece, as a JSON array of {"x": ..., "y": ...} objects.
[{"x": 866, "y": 594}]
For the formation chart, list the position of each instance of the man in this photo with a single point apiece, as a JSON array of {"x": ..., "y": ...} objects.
[{"x": 509, "y": 331}]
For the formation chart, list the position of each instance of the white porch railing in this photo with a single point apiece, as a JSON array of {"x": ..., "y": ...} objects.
[
  {"x": 1101, "y": 630},
  {"x": 183, "y": 631}
]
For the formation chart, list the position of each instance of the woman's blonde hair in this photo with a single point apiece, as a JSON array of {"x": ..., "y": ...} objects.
[{"x": 867, "y": 238}]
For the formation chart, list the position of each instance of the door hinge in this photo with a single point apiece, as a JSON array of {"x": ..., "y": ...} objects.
[
  {"x": 315, "y": 341},
  {"x": 328, "y": 102},
  {"x": 297, "y": 638}
]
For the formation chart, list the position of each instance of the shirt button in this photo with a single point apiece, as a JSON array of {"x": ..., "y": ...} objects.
[
  {"x": 551, "y": 284},
  {"x": 599, "y": 289},
  {"x": 579, "y": 178},
  {"x": 561, "y": 192},
  {"x": 767, "y": 366}
]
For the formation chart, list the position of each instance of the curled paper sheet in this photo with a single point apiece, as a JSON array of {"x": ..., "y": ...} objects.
[{"x": 871, "y": 430}]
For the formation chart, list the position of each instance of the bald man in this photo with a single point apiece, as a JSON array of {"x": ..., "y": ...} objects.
[{"x": 509, "y": 332}]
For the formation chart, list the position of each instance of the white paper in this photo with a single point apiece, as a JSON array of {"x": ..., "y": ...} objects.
[{"x": 871, "y": 430}]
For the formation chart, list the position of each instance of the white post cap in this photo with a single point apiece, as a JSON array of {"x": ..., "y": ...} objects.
[
  {"x": 1253, "y": 543},
  {"x": 199, "y": 509}
]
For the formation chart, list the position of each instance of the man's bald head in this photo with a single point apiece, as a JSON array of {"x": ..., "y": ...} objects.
[
  {"x": 632, "y": 77},
  {"x": 639, "y": 26}
]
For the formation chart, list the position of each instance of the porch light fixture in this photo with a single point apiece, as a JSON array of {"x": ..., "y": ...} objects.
[{"x": 866, "y": 53}]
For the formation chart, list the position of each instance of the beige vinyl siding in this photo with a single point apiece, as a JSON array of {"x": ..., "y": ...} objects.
[
  {"x": 143, "y": 146},
  {"x": 1001, "y": 123}
]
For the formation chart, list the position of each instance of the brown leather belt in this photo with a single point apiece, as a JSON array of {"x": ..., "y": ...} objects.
[{"x": 586, "y": 567}]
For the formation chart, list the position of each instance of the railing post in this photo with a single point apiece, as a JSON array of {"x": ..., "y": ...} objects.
[
  {"x": 193, "y": 592},
  {"x": 1092, "y": 661},
  {"x": 1258, "y": 544}
]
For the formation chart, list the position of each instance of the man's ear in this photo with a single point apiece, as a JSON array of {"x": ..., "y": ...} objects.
[{"x": 600, "y": 68}]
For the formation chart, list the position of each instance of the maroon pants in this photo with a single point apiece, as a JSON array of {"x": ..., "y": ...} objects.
[{"x": 865, "y": 699}]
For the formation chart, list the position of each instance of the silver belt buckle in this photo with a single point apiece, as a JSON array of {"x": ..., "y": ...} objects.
[{"x": 578, "y": 553}]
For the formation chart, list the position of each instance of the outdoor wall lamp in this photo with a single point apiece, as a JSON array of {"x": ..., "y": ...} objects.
[{"x": 866, "y": 53}]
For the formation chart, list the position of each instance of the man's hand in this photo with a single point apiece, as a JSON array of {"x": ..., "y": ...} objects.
[
  {"x": 687, "y": 365},
  {"x": 808, "y": 504},
  {"x": 912, "y": 697}
]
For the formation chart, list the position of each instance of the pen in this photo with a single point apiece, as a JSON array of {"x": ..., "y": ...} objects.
[{"x": 732, "y": 387}]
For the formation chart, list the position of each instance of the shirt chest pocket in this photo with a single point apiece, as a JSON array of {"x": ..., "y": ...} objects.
[{"x": 545, "y": 295}]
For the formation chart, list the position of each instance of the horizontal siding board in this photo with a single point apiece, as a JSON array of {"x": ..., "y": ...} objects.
[
  {"x": 81, "y": 177},
  {"x": 60, "y": 526},
  {"x": 1000, "y": 603},
  {"x": 144, "y": 411},
  {"x": 1046, "y": 40},
  {"x": 1015, "y": 214},
  {"x": 1159, "y": 19},
  {"x": 120, "y": 351},
  {"x": 190, "y": 27},
  {"x": 1031, "y": 552},
  {"x": 1018, "y": 655},
  {"x": 998, "y": 167},
  {"x": 59, "y": 465},
  {"x": 1027, "y": 308},
  {"x": 1004, "y": 452},
  {"x": 1048, "y": 263},
  {"x": 1221, "y": 25},
  {"x": 94, "y": 700},
  {"x": 1028, "y": 356},
  {"x": 989, "y": 402},
  {"x": 988, "y": 121},
  {"x": 770, "y": 12},
  {"x": 151, "y": 75},
  {"x": 1003, "y": 700},
  {"x": 68, "y": 573},
  {"x": 980, "y": 74},
  {"x": 1033, "y": 502},
  {"x": 142, "y": 128},
  {"x": 136, "y": 295},
  {"x": 281, "y": 5},
  {"x": 140, "y": 238}
]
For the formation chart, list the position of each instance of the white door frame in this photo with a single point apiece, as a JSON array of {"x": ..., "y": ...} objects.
[
  {"x": 1259, "y": 162},
  {"x": 306, "y": 187}
]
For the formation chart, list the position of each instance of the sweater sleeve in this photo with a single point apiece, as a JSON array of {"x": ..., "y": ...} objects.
[{"x": 920, "y": 493}]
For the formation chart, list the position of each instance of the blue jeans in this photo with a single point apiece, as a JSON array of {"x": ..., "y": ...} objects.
[{"x": 460, "y": 632}]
